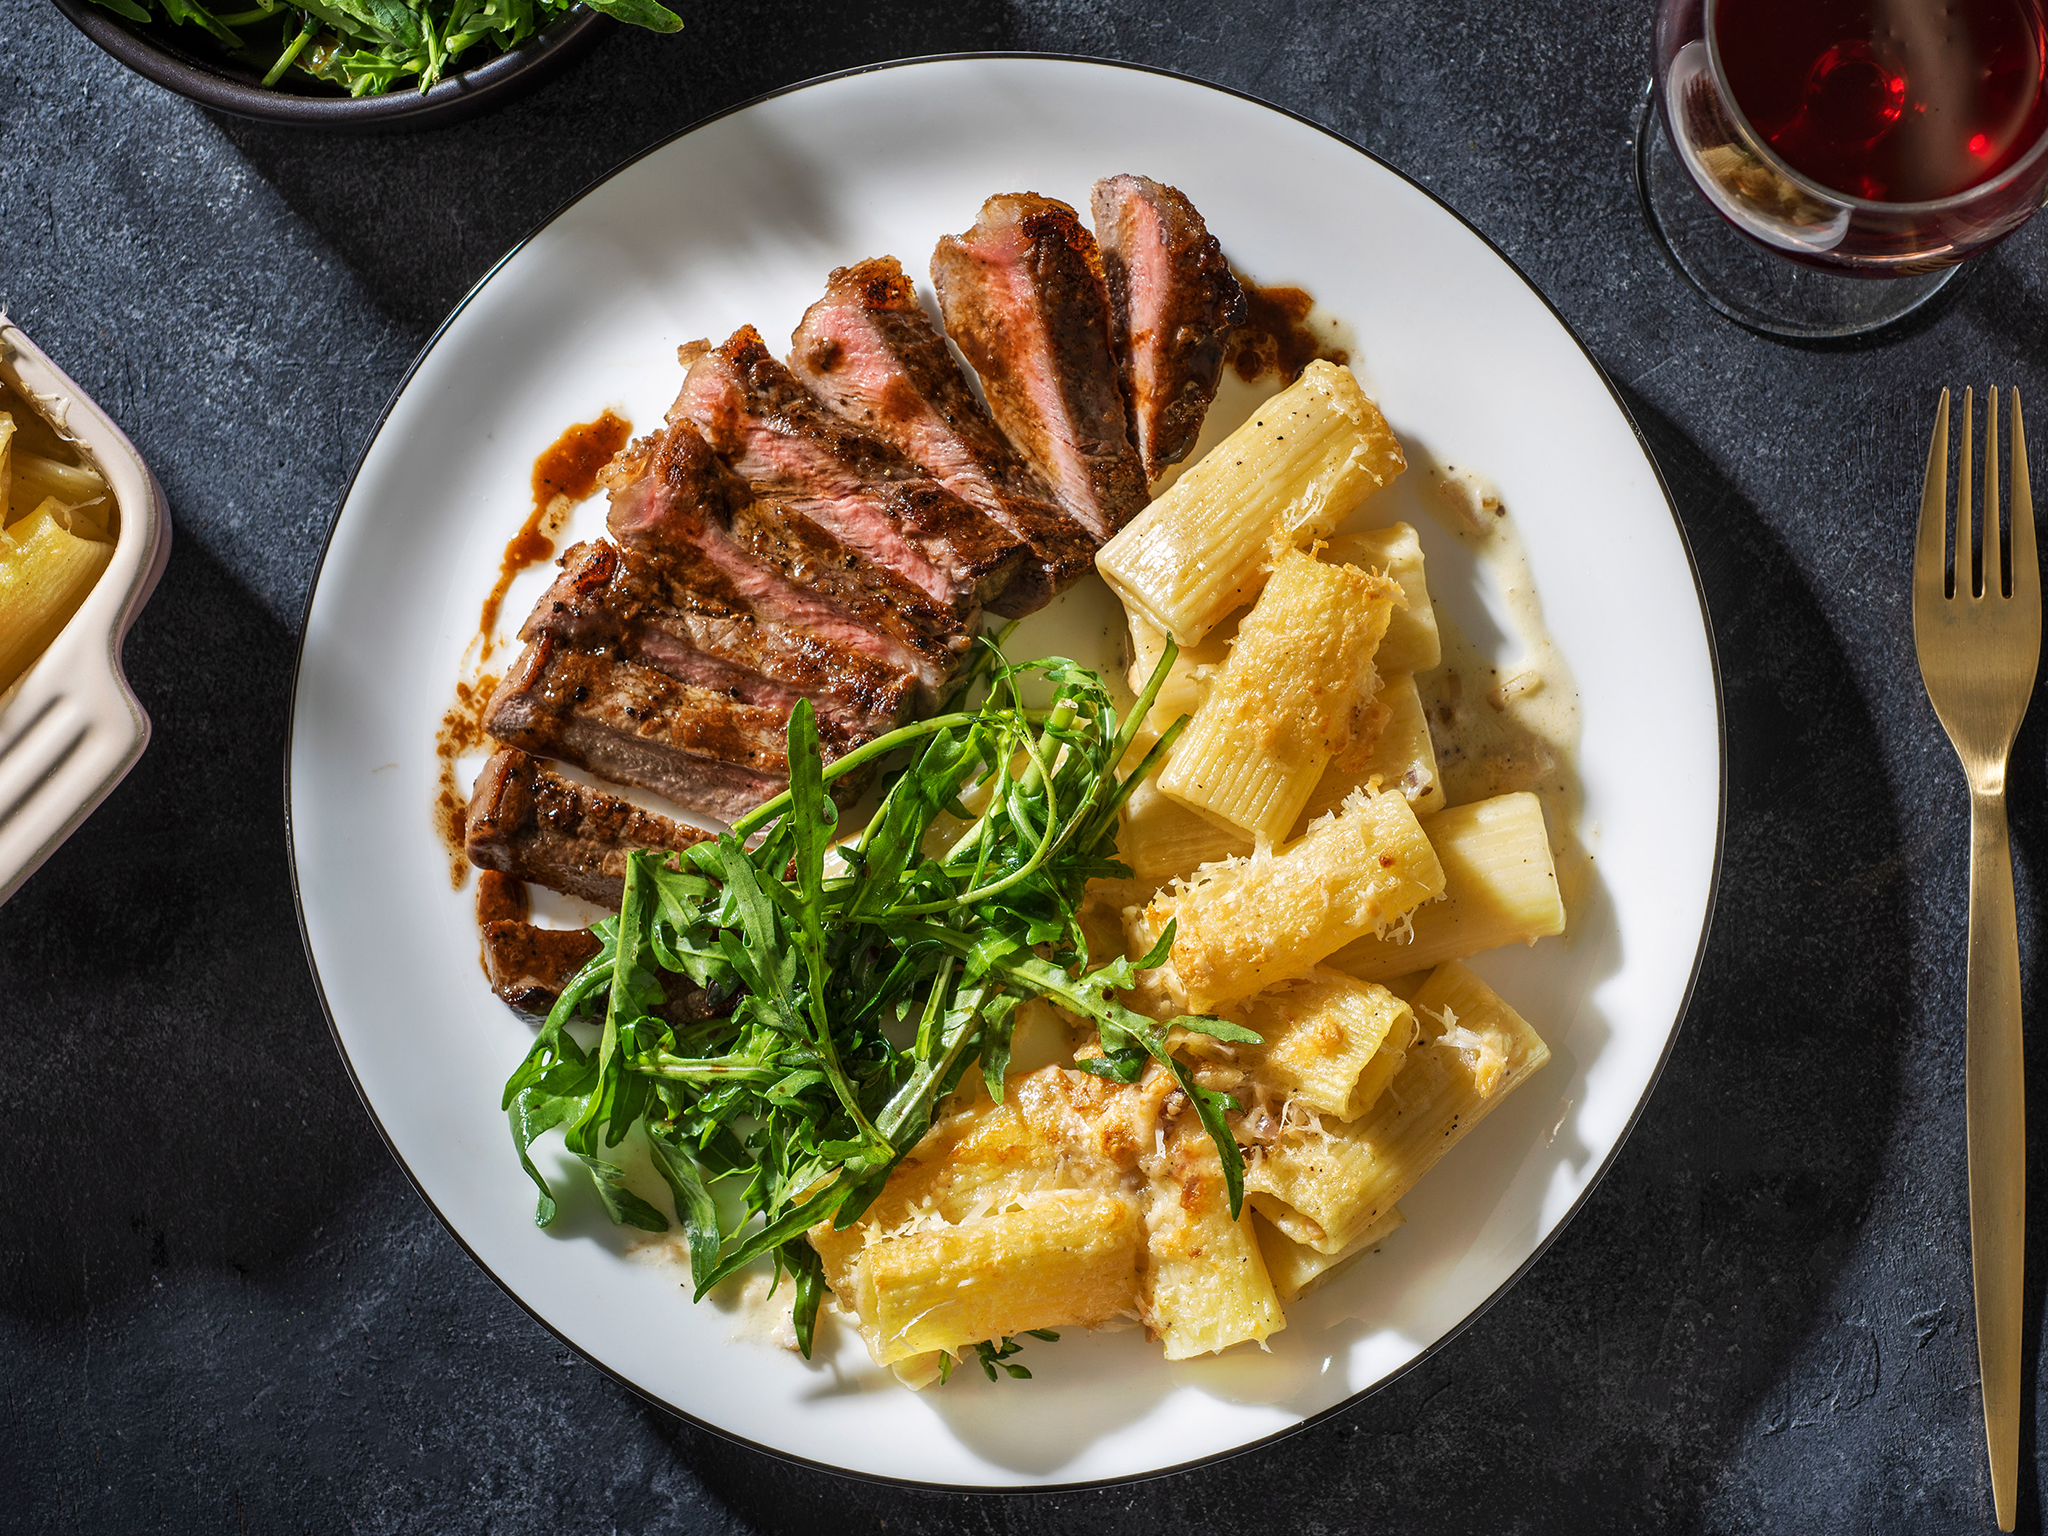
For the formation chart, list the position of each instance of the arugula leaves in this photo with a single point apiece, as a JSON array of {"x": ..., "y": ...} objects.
[
  {"x": 369, "y": 46},
  {"x": 863, "y": 980}
]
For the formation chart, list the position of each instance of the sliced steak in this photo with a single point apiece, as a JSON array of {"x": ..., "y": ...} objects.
[
  {"x": 1173, "y": 301},
  {"x": 822, "y": 605},
  {"x": 859, "y": 489},
  {"x": 529, "y": 965},
  {"x": 871, "y": 352},
  {"x": 626, "y": 722},
  {"x": 527, "y": 822},
  {"x": 683, "y": 616},
  {"x": 1022, "y": 293}
]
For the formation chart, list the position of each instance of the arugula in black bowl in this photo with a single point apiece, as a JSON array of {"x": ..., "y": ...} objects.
[{"x": 368, "y": 47}]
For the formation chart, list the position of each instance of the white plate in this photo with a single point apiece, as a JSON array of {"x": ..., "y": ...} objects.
[
  {"x": 71, "y": 727},
  {"x": 739, "y": 220}
]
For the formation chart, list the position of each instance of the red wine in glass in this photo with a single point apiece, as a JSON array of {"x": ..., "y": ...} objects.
[
  {"x": 1876, "y": 138},
  {"x": 1887, "y": 100}
]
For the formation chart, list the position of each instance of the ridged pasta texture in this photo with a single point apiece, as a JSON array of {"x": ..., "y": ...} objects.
[
  {"x": 1500, "y": 887},
  {"x": 1252, "y": 923},
  {"x": 1321, "y": 1033},
  {"x": 1306, "y": 458},
  {"x": 1006, "y": 1217},
  {"x": 1296, "y": 1269},
  {"x": 1412, "y": 643},
  {"x": 46, "y": 570},
  {"x": 1206, "y": 1286},
  {"x": 1326, "y": 1183},
  {"x": 1283, "y": 704}
]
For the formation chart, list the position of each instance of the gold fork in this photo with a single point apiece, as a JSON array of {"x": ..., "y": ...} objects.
[{"x": 1979, "y": 650}]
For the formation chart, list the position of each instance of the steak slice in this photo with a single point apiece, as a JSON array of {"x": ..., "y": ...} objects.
[
  {"x": 871, "y": 353},
  {"x": 823, "y": 606},
  {"x": 1022, "y": 293},
  {"x": 626, "y": 722},
  {"x": 528, "y": 965},
  {"x": 858, "y": 488},
  {"x": 683, "y": 616},
  {"x": 1173, "y": 301},
  {"x": 527, "y": 822}
]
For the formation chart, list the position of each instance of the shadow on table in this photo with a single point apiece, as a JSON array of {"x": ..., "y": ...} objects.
[
  {"x": 437, "y": 208},
  {"x": 1673, "y": 1322},
  {"x": 178, "y": 1102}
]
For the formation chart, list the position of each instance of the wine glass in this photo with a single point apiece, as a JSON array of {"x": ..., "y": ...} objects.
[{"x": 1823, "y": 165}]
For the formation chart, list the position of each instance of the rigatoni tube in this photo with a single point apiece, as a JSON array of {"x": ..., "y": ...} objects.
[
  {"x": 1306, "y": 458},
  {"x": 1500, "y": 887},
  {"x": 1320, "y": 1034},
  {"x": 1252, "y": 923},
  {"x": 1205, "y": 1280},
  {"x": 45, "y": 572},
  {"x": 1282, "y": 704},
  {"x": 1412, "y": 643},
  {"x": 1326, "y": 1185}
]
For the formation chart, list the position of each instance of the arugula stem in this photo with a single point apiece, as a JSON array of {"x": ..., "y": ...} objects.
[
  {"x": 685, "y": 1069},
  {"x": 307, "y": 27},
  {"x": 839, "y": 767}
]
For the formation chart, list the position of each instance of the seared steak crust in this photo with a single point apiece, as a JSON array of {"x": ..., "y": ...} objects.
[
  {"x": 701, "y": 748},
  {"x": 872, "y": 354},
  {"x": 529, "y": 965},
  {"x": 863, "y": 492},
  {"x": 528, "y": 822},
  {"x": 820, "y": 606},
  {"x": 1023, "y": 295},
  {"x": 1173, "y": 300},
  {"x": 683, "y": 616}
]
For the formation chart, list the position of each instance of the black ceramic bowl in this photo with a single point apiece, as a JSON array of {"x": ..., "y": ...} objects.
[{"x": 159, "y": 53}]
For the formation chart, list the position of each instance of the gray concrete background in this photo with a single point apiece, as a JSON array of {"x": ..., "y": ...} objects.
[{"x": 223, "y": 1308}]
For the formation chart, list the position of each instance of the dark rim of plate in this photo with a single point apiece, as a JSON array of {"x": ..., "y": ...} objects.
[
  {"x": 157, "y": 54},
  {"x": 1543, "y": 1247}
]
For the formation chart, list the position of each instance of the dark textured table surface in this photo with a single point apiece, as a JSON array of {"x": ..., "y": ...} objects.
[{"x": 222, "y": 1307}]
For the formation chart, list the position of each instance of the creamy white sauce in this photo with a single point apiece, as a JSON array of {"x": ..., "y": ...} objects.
[
  {"x": 753, "y": 1313},
  {"x": 1502, "y": 725}
]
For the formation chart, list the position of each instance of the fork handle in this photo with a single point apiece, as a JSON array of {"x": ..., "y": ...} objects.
[{"x": 1996, "y": 1097}]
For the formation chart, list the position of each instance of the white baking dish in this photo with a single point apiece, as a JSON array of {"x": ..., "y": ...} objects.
[{"x": 71, "y": 728}]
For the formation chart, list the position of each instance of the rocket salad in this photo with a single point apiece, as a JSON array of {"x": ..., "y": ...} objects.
[
  {"x": 370, "y": 46},
  {"x": 854, "y": 984}
]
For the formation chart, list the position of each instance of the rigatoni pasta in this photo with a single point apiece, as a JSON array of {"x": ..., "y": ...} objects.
[
  {"x": 1206, "y": 1286},
  {"x": 1252, "y": 923},
  {"x": 1326, "y": 1184},
  {"x": 1067, "y": 1259},
  {"x": 1398, "y": 754},
  {"x": 46, "y": 569},
  {"x": 1412, "y": 643},
  {"x": 1500, "y": 887},
  {"x": 56, "y": 523},
  {"x": 1187, "y": 680},
  {"x": 1308, "y": 457},
  {"x": 1282, "y": 704},
  {"x": 1321, "y": 1033},
  {"x": 1296, "y": 1269}
]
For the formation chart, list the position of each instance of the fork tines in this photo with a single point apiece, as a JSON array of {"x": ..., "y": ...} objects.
[{"x": 1976, "y": 565}]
